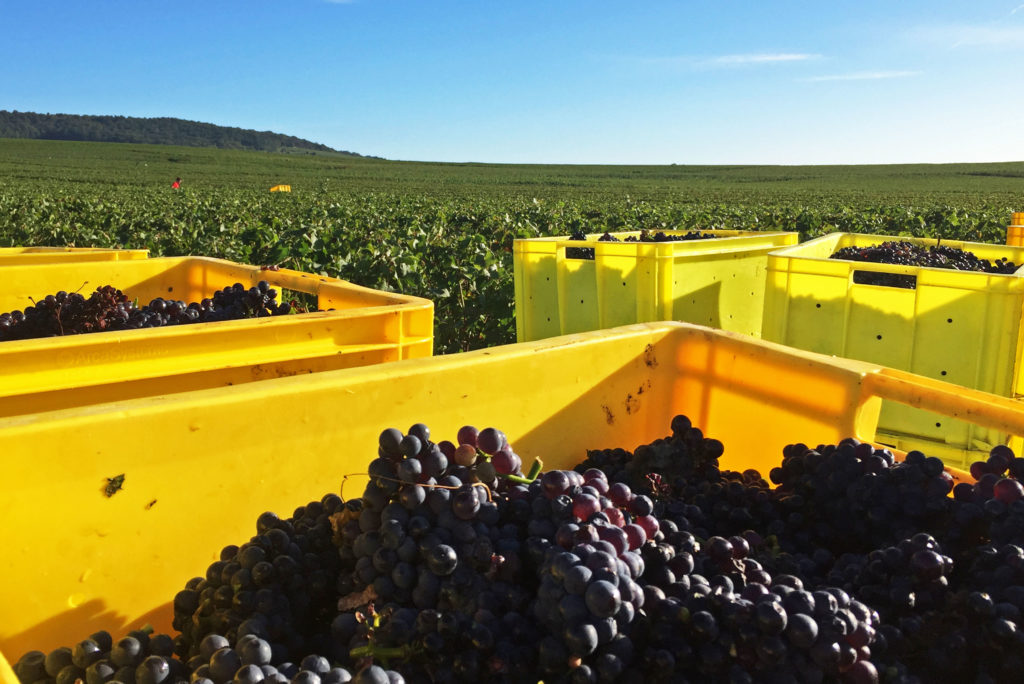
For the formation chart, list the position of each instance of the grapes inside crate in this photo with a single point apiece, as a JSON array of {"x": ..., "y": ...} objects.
[
  {"x": 354, "y": 326},
  {"x": 609, "y": 392}
]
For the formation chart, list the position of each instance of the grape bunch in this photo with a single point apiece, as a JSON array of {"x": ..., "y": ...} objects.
[
  {"x": 67, "y": 314},
  {"x": 647, "y": 236},
  {"x": 853, "y": 497},
  {"x": 110, "y": 309},
  {"x": 663, "y": 466},
  {"x": 644, "y": 236},
  {"x": 905, "y": 253},
  {"x": 139, "y": 657},
  {"x": 654, "y": 565}
]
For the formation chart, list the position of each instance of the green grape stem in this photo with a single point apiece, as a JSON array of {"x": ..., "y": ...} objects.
[
  {"x": 383, "y": 652},
  {"x": 535, "y": 469},
  {"x": 530, "y": 477}
]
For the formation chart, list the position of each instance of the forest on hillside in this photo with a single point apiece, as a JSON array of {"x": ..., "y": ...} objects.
[{"x": 154, "y": 131}]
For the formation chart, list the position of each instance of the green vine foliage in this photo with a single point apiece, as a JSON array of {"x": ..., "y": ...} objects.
[{"x": 446, "y": 232}]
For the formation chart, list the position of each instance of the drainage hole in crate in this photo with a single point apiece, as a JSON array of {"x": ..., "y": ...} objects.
[
  {"x": 878, "y": 337},
  {"x": 943, "y": 372},
  {"x": 623, "y": 283},
  {"x": 818, "y": 305},
  {"x": 938, "y": 425},
  {"x": 949, "y": 320},
  {"x": 581, "y": 301}
]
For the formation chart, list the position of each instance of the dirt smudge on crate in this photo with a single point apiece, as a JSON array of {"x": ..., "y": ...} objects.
[
  {"x": 608, "y": 416},
  {"x": 114, "y": 485},
  {"x": 260, "y": 372},
  {"x": 649, "y": 357},
  {"x": 632, "y": 404}
]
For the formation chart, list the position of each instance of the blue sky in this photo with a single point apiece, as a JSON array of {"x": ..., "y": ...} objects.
[{"x": 574, "y": 81}]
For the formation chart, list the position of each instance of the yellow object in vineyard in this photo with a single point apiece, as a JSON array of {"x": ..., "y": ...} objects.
[
  {"x": 1015, "y": 231},
  {"x": 281, "y": 188}
]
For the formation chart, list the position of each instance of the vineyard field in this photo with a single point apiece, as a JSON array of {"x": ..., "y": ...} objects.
[{"x": 445, "y": 231}]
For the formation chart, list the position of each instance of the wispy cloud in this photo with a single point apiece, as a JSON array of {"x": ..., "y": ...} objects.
[
  {"x": 862, "y": 76},
  {"x": 725, "y": 61},
  {"x": 760, "y": 58}
]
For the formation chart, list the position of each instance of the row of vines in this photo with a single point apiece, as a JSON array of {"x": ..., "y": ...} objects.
[{"x": 455, "y": 251}]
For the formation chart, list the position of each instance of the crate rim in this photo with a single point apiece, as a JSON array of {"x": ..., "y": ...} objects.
[{"x": 987, "y": 404}]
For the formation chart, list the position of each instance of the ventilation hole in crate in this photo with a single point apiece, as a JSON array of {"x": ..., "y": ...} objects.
[
  {"x": 581, "y": 301},
  {"x": 817, "y": 306},
  {"x": 938, "y": 425},
  {"x": 943, "y": 372},
  {"x": 878, "y": 337},
  {"x": 949, "y": 320},
  {"x": 170, "y": 288},
  {"x": 623, "y": 283}
]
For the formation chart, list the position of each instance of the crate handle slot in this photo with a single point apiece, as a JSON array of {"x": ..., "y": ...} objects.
[
  {"x": 581, "y": 253},
  {"x": 884, "y": 279},
  {"x": 981, "y": 408}
]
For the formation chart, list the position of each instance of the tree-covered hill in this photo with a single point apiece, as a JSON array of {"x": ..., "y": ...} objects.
[{"x": 158, "y": 131}]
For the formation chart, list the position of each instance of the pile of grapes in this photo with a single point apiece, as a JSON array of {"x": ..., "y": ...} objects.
[
  {"x": 648, "y": 566},
  {"x": 645, "y": 236},
  {"x": 906, "y": 253},
  {"x": 110, "y": 309}
]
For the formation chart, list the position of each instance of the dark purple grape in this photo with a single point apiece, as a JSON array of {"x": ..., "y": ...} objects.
[
  {"x": 555, "y": 483},
  {"x": 467, "y": 435},
  {"x": 603, "y": 599},
  {"x": 489, "y": 440},
  {"x": 85, "y": 653},
  {"x": 31, "y": 667},
  {"x": 154, "y": 669},
  {"x": 465, "y": 503},
  {"x": 390, "y": 441}
]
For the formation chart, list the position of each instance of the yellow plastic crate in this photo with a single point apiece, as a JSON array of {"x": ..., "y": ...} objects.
[
  {"x": 366, "y": 327},
  {"x": 955, "y": 326},
  {"x": 22, "y": 256},
  {"x": 717, "y": 282},
  {"x": 1015, "y": 231},
  {"x": 201, "y": 466}
]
